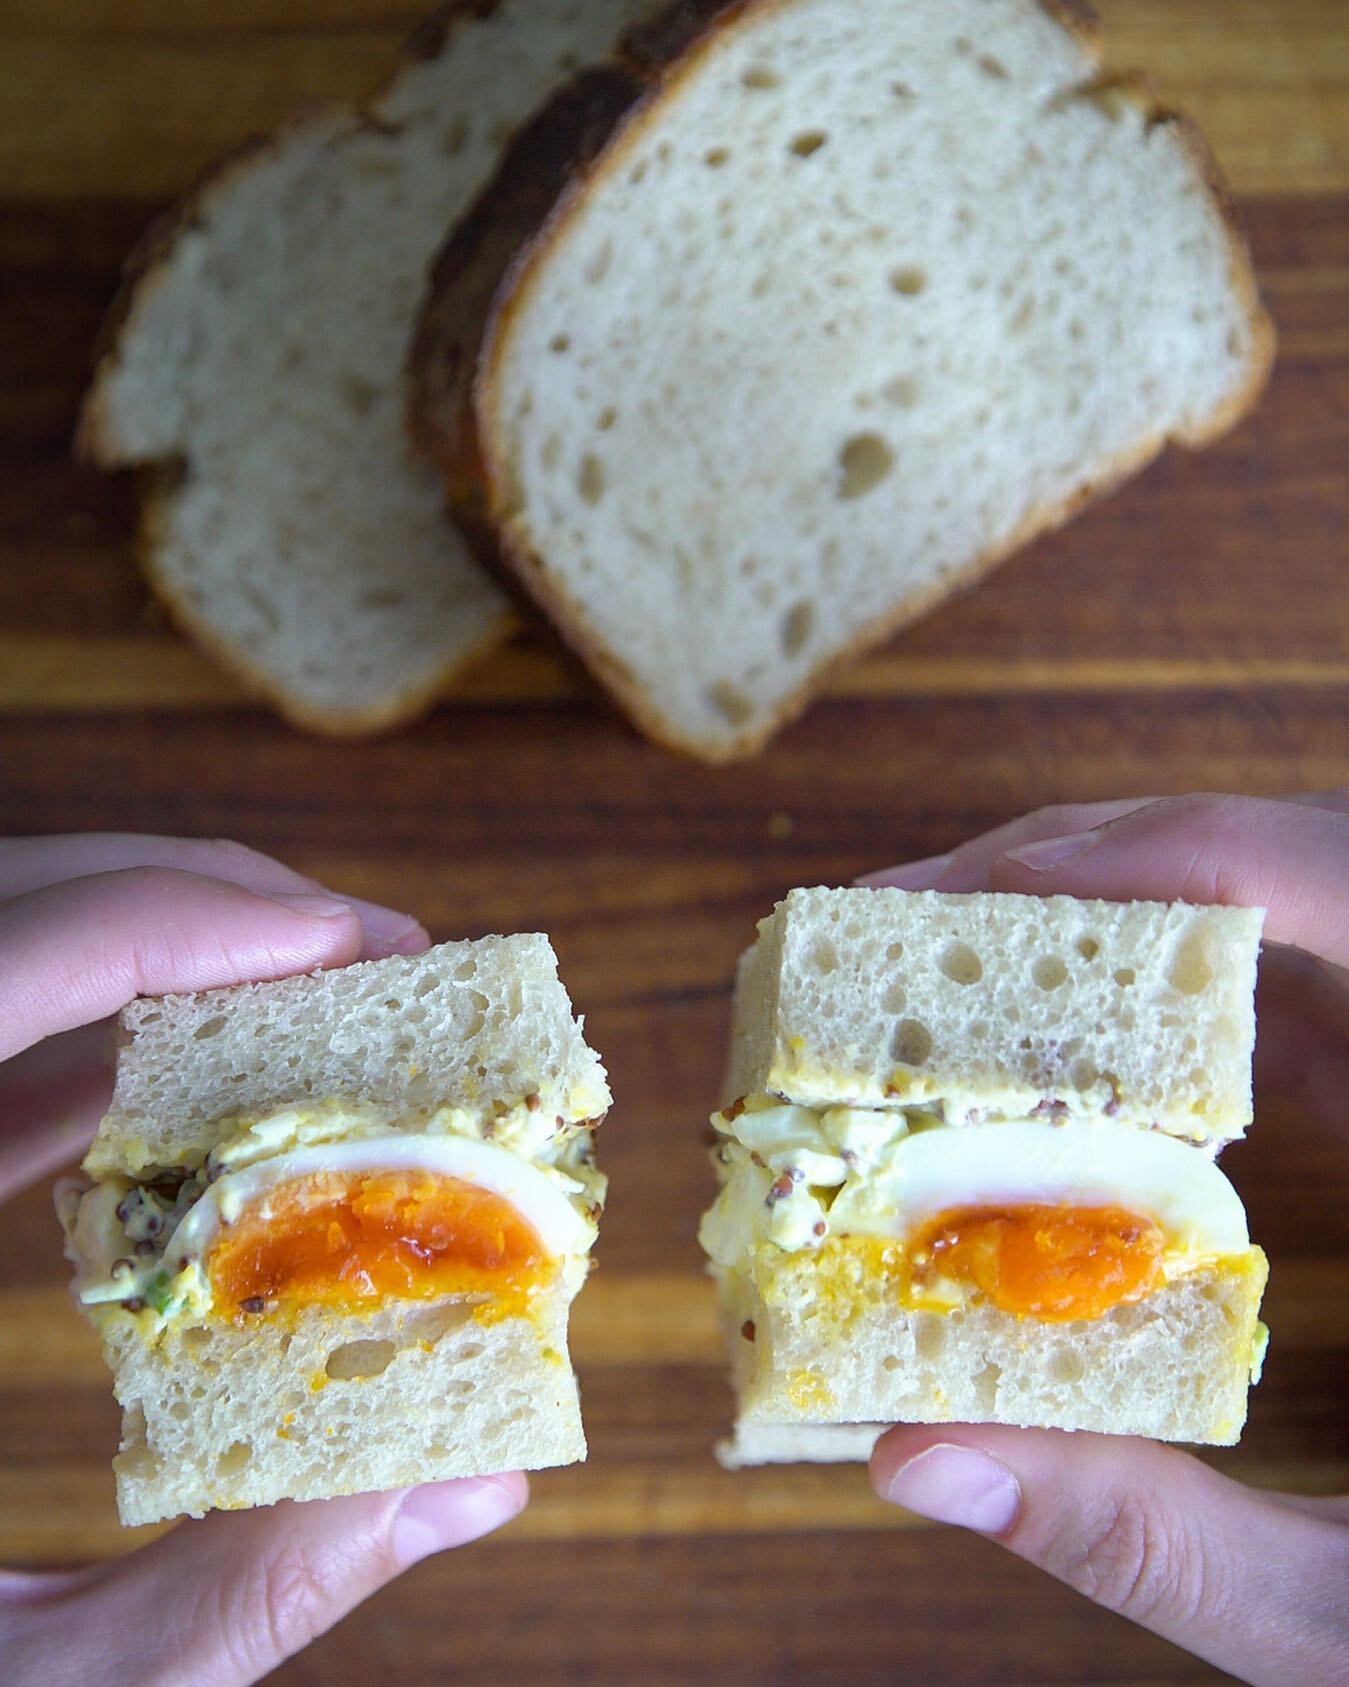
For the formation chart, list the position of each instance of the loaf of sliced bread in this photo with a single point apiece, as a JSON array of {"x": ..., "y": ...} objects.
[
  {"x": 877, "y": 998},
  {"x": 253, "y": 364},
  {"x": 857, "y": 298},
  {"x": 396, "y": 1155}
]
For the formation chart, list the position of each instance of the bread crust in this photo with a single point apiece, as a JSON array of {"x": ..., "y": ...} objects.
[
  {"x": 466, "y": 441},
  {"x": 96, "y": 442}
]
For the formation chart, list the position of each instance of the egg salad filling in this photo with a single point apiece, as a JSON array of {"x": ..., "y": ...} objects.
[
  {"x": 342, "y": 1205},
  {"x": 1054, "y": 1217}
]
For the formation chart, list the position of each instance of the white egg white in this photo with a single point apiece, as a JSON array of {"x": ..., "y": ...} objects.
[
  {"x": 1087, "y": 1163},
  {"x": 560, "y": 1227}
]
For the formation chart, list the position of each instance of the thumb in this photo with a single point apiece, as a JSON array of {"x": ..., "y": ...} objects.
[
  {"x": 221, "y": 1602},
  {"x": 1289, "y": 857},
  {"x": 1252, "y": 1582}
]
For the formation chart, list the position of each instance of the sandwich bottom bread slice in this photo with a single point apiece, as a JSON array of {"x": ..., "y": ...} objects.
[
  {"x": 331, "y": 1228},
  {"x": 967, "y": 1170}
]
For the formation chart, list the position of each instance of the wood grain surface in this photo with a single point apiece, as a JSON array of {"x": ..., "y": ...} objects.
[{"x": 1192, "y": 633}]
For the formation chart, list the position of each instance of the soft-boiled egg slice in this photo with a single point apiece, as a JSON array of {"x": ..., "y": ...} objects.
[
  {"x": 1056, "y": 1222},
  {"x": 1083, "y": 1163},
  {"x": 350, "y": 1223}
]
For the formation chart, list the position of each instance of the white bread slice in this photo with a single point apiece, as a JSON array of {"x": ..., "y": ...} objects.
[
  {"x": 415, "y": 1392},
  {"x": 890, "y": 997},
  {"x": 253, "y": 362},
  {"x": 313, "y": 1402},
  {"x": 465, "y": 1024},
  {"x": 857, "y": 299},
  {"x": 1175, "y": 1366},
  {"x": 797, "y": 1443}
]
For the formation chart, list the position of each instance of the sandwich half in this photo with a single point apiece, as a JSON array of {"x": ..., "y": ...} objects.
[
  {"x": 331, "y": 1228},
  {"x": 967, "y": 1166}
]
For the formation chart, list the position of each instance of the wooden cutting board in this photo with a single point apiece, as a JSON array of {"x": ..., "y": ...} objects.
[{"x": 1192, "y": 633}]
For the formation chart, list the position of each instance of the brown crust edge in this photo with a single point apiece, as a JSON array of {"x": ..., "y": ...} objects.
[
  {"x": 95, "y": 442},
  {"x": 477, "y": 478},
  {"x": 154, "y": 489}
]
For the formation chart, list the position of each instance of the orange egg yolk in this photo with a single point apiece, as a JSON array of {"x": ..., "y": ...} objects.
[
  {"x": 1052, "y": 1263},
  {"x": 350, "y": 1240}
]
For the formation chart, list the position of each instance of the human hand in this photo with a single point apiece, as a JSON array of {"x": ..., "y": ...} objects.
[
  {"x": 88, "y": 923},
  {"x": 1253, "y": 1582}
]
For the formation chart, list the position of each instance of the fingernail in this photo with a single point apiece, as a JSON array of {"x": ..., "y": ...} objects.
[
  {"x": 385, "y": 925},
  {"x": 913, "y": 875},
  {"x": 958, "y": 1485},
  {"x": 394, "y": 934},
  {"x": 447, "y": 1514},
  {"x": 321, "y": 907},
  {"x": 1051, "y": 852}
]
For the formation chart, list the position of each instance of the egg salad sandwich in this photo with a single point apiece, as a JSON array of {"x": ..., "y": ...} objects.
[
  {"x": 967, "y": 1167},
  {"x": 331, "y": 1227}
]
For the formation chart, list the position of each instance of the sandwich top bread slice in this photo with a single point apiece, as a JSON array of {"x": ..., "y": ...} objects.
[
  {"x": 857, "y": 298},
  {"x": 335, "y": 1225},
  {"x": 252, "y": 365},
  {"x": 967, "y": 1173}
]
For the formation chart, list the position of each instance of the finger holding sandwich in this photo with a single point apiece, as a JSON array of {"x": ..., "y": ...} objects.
[
  {"x": 226, "y": 1599},
  {"x": 1251, "y": 1581}
]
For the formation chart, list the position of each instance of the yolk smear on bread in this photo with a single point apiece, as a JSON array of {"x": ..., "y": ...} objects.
[
  {"x": 351, "y": 1240},
  {"x": 1053, "y": 1263}
]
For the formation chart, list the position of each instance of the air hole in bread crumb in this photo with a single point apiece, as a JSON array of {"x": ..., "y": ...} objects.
[
  {"x": 731, "y": 702},
  {"x": 895, "y": 999},
  {"x": 209, "y": 1028},
  {"x": 911, "y": 1043},
  {"x": 894, "y": 951},
  {"x": 761, "y": 76},
  {"x": 992, "y": 67},
  {"x": 891, "y": 1362},
  {"x": 986, "y": 1387},
  {"x": 1025, "y": 315},
  {"x": 960, "y": 964},
  {"x": 560, "y": 343},
  {"x": 1049, "y": 972},
  {"x": 824, "y": 956},
  {"x": 908, "y": 280},
  {"x": 1066, "y": 1365},
  {"x": 197, "y": 1337},
  {"x": 590, "y": 480},
  {"x": 808, "y": 142},
  {"x": 717, "y": 157},
  {"x": 864, "y": 462},
  {"x": 797, "y": 626},
  {"x": 1124, "y": 977},
  {"x": 359, "y": 1359},
  {"x": 1191, "y": 970},
  {"x": 607, "y": 417},
  {"x": 1082, "y": 1074},
  {"x": 1088, "y": 948},
  {"x": 234, "y": 1459},
  {"x": 901, "y": 90},
  {"x": 929, "y": 1336},
  {"x": 478, "y": 1002},
  {"x": 902, "y": 390},
  {"x": 358, "y": 393},
  {"x": 598, "y": 267}
]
